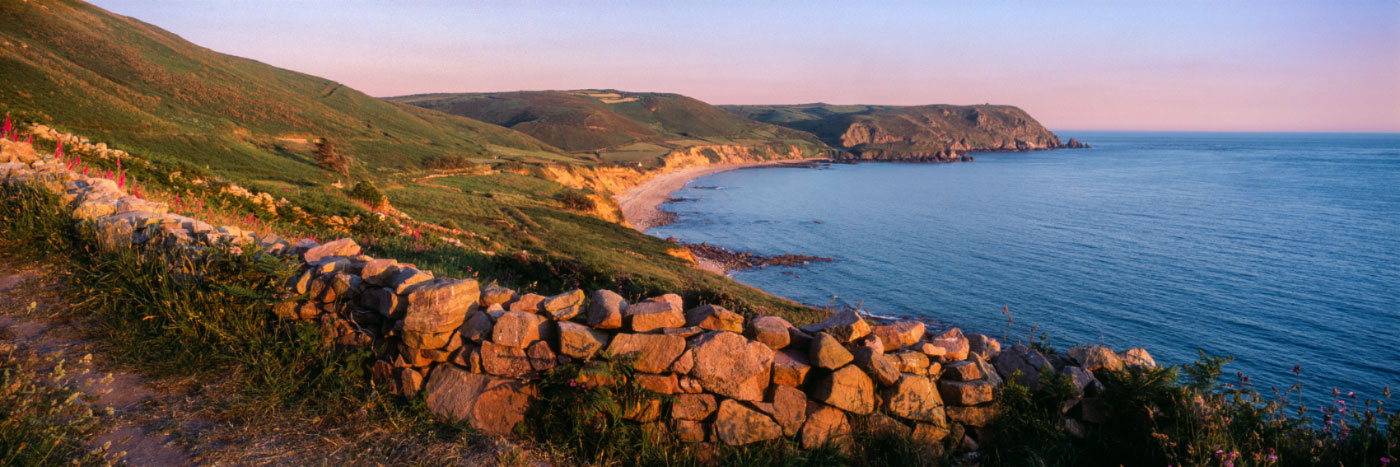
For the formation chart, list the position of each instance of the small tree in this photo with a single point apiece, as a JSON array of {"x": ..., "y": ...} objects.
[{"x": 331, "y": 159}]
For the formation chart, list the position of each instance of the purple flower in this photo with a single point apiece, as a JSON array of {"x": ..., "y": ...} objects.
[
  {"x": 1385, "y": 460},
  {"x": 1273, "y": 458}
]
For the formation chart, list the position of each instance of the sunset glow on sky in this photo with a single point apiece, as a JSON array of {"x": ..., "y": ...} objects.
[{"x": 1097, "y": 65}]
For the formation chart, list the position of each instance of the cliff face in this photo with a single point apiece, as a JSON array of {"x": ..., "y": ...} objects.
[{"x": 925, "y": 133}]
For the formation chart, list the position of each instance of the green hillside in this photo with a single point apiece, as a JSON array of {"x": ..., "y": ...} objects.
[
  {"x": 129, "y": 83},
  {"x": 617, "y": 126},
  {"x": 926, "y": 132}
]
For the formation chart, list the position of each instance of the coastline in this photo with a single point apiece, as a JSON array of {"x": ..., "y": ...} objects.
[{"x": 641, "y": 205}]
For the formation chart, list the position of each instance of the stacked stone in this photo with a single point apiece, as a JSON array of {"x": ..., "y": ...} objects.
[{"x": 475, "y": 353}]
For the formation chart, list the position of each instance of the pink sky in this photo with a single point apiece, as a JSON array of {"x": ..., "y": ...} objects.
[{"x": 1085, "y": 65}]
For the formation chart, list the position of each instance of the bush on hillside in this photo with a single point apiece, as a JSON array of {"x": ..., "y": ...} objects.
[
  {"x": 367, "y": 192},
  {"x": 576, "y": 200},
  {"x": 448, "y": 163},
  {"x": 331, "y": 159}
]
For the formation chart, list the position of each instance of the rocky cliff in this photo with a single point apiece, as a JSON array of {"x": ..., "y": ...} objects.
[{"x": 921, "y": 133}]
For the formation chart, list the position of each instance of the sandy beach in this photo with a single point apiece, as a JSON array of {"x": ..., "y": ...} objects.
[{"x": 641, "y": 206}]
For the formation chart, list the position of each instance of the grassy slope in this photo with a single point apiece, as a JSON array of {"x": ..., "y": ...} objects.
[
  {"x": 618, "y": 126},
  {"x": 907, "y": 129},
  {"x": 146, "y": 91}
]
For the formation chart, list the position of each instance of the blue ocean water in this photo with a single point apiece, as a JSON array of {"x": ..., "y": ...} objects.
[{"x": 1276, "y": 249}]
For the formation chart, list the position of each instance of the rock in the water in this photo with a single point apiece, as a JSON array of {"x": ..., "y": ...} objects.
[
  {"x": 827, "y": 352},
  {"x": 737, "y": 425},
  {"x": 1096, "y": 357},
  {"x": 847, "y": 389},
  {"x": 654, "y": 314},
  {"x": 564, "y": 306},
  {"x": 714, "y": 318},
  {"x": 773, "y": 331},
  {"x": 1024, "y": 359},
  {"x": 965, "y": 392},
  {"x": 605, "y": 310},
  {"x": 1138, "y": 358},
  {"x": 579, "y": 341},
  {"x": 492, "y": 405},
  {"x": 825, "y": 425},
  {"x": 653, "y": 353},
  {"x": 730, "y": 365},
  {"x": 517, "y": 329},
  {"x": 914, "y": 398},
  {"x": 790, "y": 368}
]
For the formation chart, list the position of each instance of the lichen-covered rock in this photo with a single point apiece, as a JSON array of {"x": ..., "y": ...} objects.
[
  {"x": 730, "y": 365},
  {"x": 874, "y": 363},
  {"x": 517, "y": 329},
  {"x": 579, "y": 341},
  {"x": 477, "y": 327},
  {"x": 564, "y": 306},
  {"x": 660, "y": 384},
  {"x": 1095, "y": 358},
  {"x": 689, "y": 431},
  {"x": 914, "y": 398},
  {"x": 965, "y": 392},
  {"x": 684, "y": 363},
  {"x": 541, "y": 357},
  {"x": 962, "y": 371},
  {"x": 976, "y": 416},
  {"x": 737, "y": 425},
  {"x": 772, "y": 331},
  {"x": 605, "y": 310},
  {"x": 492, "y": 405},
  {"x": 825, "y": 425},
  {"x": 827, "y": 352},
  {"x": 714, "y": 318},
  {"x": 409, "y": 278},
  {"x": 914, "y": 362},
  {"x": 528, "y": 303},
  {"x": 495, "y": 294},
  {"x": 848, "y": 388},
  {"x": 379, "y": 271},
  {"x": 790, "y": 368},
  {"x": 981, "y": 344},
  {"x": 652, "y": 353}
]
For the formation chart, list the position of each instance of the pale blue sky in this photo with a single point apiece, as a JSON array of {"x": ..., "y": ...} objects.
[{"x": 1285, "y": 66}]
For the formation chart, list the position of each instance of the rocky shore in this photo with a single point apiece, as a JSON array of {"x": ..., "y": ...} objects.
[{"x": 739, "y": 261}]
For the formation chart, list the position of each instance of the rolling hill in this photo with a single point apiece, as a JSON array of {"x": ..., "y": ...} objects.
[
  {"x": 616, "y": 126},
  {"x": 926, "y": 132}
]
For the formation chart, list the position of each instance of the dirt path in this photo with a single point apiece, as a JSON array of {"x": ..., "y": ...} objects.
[{"x": 198, "y": 421}]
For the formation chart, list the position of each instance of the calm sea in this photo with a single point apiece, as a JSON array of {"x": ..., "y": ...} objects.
[{"x": 1276, "y": 249}]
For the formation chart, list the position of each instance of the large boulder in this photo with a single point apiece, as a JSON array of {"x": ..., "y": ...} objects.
[
  {"x": 579, "y": 341},
  {"x": 714, "y": 318},
  {"x": 341, "y": 247},
  {"x": 965, "y": 392},
  {"x": 1096, "y": 357},
  {"x": 737, "y": 425},
  {"x": 984, "y": 345},
  {"x": 1025, "y": 360},
  {"x": 505, "y": 361},
  {"x": 772, "y": 331},
  {"x": 788, "y": 405},
  {"x": 790, "y": 368},
  {"x": 1138, "y": 358},
  {"x": 440, "y": 306},
  {"x": 605, "y": 310},
  {"x": 963, "y": 371},
  {"x": 653, "y": 314},
  {"x": 379, "y": 271},
  {"x": 847, "y": 389},
  {"x": 825, "y": 425},
  {"x": 869, "y": 358},
  {"x": 492, "y": 405},
  {"x": 517, "y": 329},
  {"x": 564, "y": 306},
  {"x": 827, "y": 352},
  {"x": 730, "y": 365},
  {"x": 846, "y": 326},
  {"x": 652, "y": 353},
  {"x": 952, "y": 345},
  {"x": 495, "y": 294},
  {"x": 914, "y": 398},
  {"x": 899, "y": 334}
]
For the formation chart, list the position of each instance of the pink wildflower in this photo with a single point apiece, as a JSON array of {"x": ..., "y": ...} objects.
[{"x": 7, "y": 123}]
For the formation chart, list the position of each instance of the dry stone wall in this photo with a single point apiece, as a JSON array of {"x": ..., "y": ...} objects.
[{"x": 476, "y": 351}]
